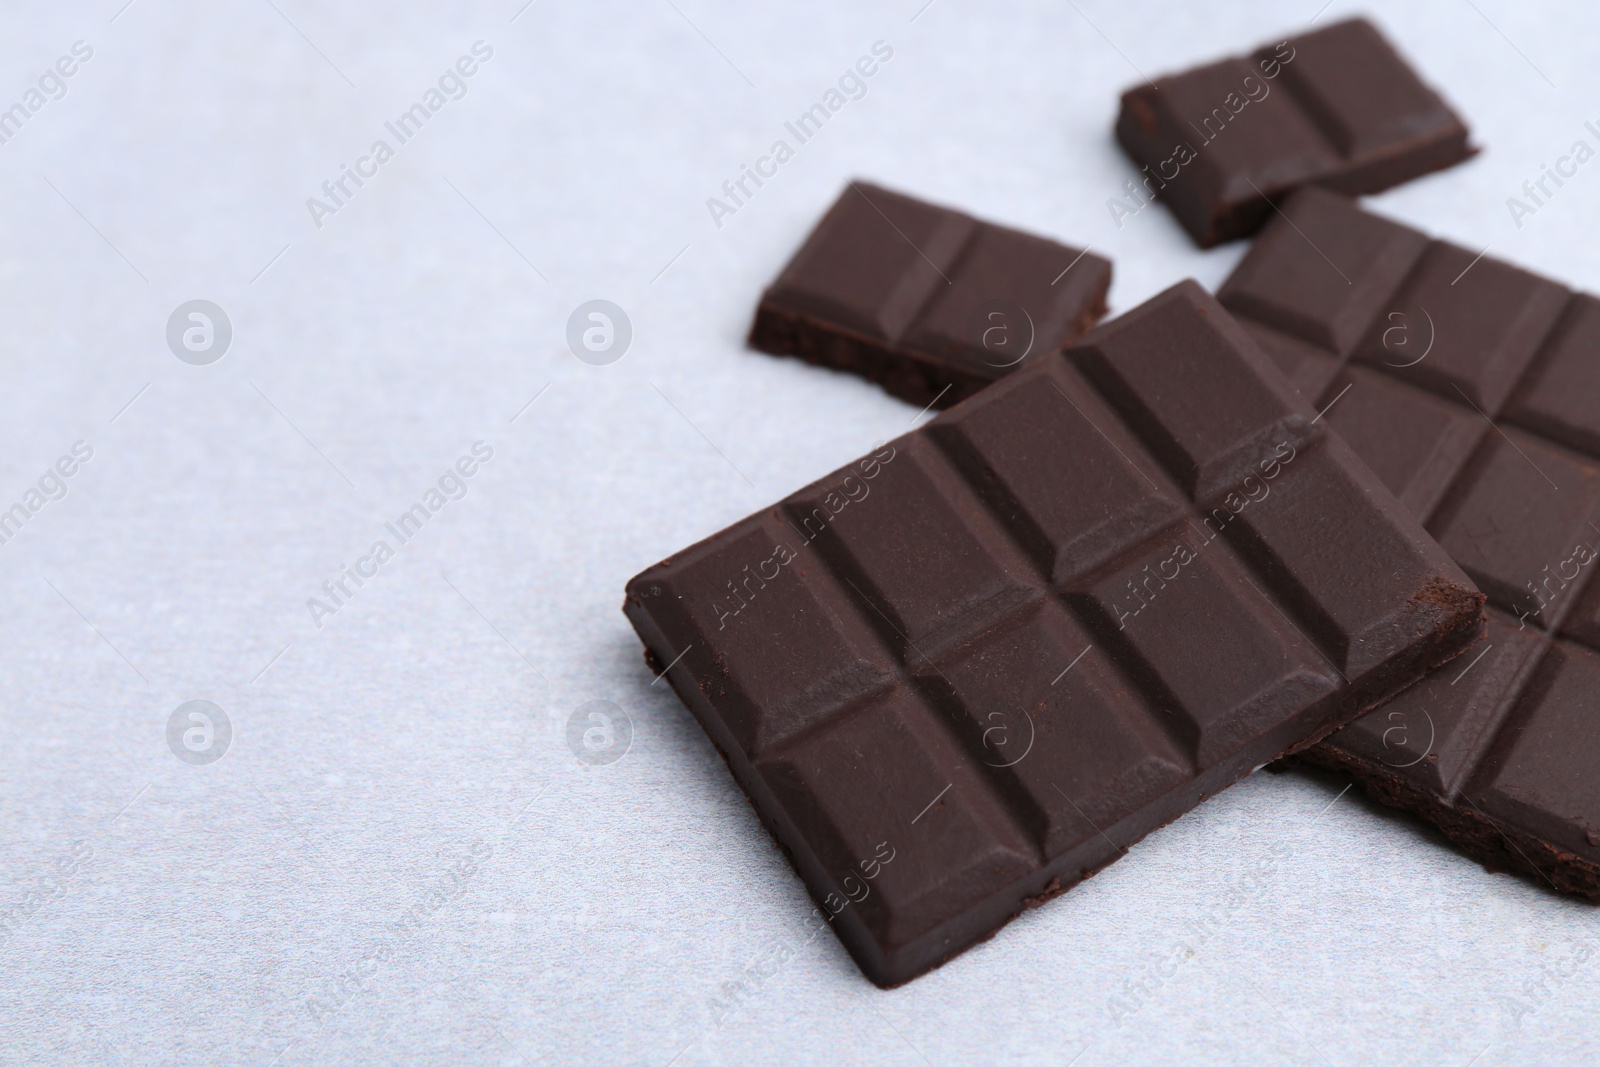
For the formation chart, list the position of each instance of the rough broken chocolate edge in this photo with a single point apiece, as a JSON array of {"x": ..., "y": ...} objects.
[
  {"x": 915, "y": 378},
  {"x": 1498, "y": 848}
]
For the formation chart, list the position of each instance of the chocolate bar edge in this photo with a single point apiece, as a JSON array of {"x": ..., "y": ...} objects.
[{"x": 912, "y": 377}]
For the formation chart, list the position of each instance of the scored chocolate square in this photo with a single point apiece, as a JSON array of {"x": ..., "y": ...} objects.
[
  {"x": 1338, "y": 108},
  {"x": 1472, "y": 389},
  {"x": 966, "y": 672},
  {"x": 930, "y": 303}
]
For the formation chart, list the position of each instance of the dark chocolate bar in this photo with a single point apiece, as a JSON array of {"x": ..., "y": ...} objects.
[
  {"x": 1472, "y": 388},
  {"x": 968, "y": 671},
  {"x": 1338, "y": 108},
  {"x": 930, "y": 303}
]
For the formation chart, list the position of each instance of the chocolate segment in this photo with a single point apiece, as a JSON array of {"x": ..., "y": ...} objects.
[
  {"x": 930, "y": 303},
  {"x": 1338, "y": 108},
  {"x": 973, "y": 668},
  {"x": 1470, "y": 387}
]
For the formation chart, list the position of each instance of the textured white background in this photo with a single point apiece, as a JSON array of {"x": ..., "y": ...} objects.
[{"x": 422, "y": 726}]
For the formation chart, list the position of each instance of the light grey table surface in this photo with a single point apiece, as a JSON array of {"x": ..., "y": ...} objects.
[{"x": 398, "y": 857}]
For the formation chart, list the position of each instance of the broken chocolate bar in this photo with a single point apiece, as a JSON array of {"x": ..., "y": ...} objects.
[
  {"x": 966, "y": 672},
  {"x": 1338, "y": 108},
  {"x": 930, "y": 303},
  {"x": 1472, "y": 388}
]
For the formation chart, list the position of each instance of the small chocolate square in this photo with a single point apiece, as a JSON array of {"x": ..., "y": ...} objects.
[
  {"x": 930, "y": 303},
  {"x": 1338, "y": 108}
]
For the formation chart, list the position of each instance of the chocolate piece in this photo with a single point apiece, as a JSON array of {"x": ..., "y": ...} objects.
[
  {"x": 971, "y": 669},
  {"x": 1472, "y": 389},
  {"x": 1338, "y": 108},
  {"x": 929, "y": 303}
]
